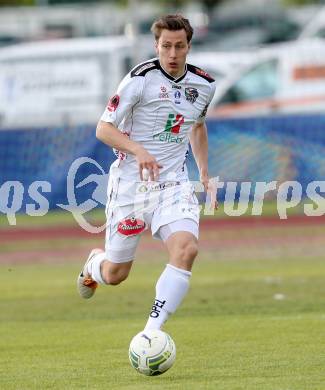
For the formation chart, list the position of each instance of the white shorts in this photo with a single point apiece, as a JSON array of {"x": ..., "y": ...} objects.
[{"x": 134, "y": 207}]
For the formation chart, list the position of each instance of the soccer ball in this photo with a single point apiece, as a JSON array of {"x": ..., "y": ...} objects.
[{"x": 152, "y": 352}]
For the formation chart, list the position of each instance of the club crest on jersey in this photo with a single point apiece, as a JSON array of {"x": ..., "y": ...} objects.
[
  {"x": 191, "y": 94},
  {"x": 113, "y": 103},
  {"x": 131, "y": 226}
]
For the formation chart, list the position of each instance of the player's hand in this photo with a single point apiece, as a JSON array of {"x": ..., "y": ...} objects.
[
  {"x": 148, "y": 165},
  {"x": 204, "y": 179},
  {"x": 210, "y": 189}
]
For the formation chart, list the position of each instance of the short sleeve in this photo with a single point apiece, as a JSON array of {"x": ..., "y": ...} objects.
[
  {"x": 128, "y": 94},
  {"x": 201, "y": 118}
]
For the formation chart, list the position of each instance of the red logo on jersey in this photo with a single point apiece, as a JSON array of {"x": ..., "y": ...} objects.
[
  {"x": 202, "y": 72},
  {"x": 131, "y": 227},
  {"x": 113, "y": 103},
  {"x": 174, "y": 123}
]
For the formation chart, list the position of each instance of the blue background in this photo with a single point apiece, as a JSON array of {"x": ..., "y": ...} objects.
[{"x": 253, "y": 149}]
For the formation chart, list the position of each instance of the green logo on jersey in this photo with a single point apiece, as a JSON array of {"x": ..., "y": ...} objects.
[{"x": 172, "y": 128}]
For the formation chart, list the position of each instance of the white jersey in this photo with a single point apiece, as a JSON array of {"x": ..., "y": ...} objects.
[{"x": 158, "y": 111}]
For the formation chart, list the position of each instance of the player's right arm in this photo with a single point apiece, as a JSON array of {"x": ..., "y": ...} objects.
[
  {"x": 112, "y": 136},
  {"x": 128, "y": 95}
]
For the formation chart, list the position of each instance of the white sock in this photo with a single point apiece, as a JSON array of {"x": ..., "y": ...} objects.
[
  {"x": 93, "y": 267},
  {"x": 171, "y": 288}
]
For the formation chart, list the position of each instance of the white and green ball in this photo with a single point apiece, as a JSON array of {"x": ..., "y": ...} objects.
[{"x": 152, "y": 352}]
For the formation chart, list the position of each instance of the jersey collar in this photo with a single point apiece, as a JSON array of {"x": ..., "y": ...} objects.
[{"x": 170, "y": 77}]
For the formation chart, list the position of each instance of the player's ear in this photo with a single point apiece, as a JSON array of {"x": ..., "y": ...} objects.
[
  {"x": 156, "y": 47},
  {"x": 189, "y": 45}
]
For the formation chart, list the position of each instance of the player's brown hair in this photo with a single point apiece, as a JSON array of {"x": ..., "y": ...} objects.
[{"x": 173, "y": 23}]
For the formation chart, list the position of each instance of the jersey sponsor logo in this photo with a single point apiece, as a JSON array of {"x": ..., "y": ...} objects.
[
  {"x": 201, "y": 72},
  {"x": 156, "y": 308},
  {"x": 165, "y": 185},
  {"x": 142, "y": 188},
  {"x": 176, "y": 86},
  {"x": 174, "y": 123},
  {"x": 191, "y": 94},
  {"x": 172, "y": 129},
  {"x": 163, "y": 94},
  {"x": 144, "y": 67},
  {"x": 113, "y": 103},
  {"x": 157, "y": 187},
  {"x": 169, "y": 138},
  {"x": 131, "y": 226}
]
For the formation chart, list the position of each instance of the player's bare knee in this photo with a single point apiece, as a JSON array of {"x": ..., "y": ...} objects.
[
  {"x": 188, "y": 251},
  {"x": 184, "y": 254},
  {"x": 191, "y": 250}
]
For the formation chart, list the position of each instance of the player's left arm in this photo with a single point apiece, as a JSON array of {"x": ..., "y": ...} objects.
[
  {"x": 199, "y": 145},
  {"x": 199, "y": 141}
]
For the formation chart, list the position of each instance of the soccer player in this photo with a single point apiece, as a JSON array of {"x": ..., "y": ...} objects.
[{"x": 159, "y": 108}]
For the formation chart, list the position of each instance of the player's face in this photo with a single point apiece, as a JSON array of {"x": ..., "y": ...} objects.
[{"x": 172, "y": 48}]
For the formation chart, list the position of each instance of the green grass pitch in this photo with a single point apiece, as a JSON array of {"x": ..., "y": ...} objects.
[{"x": 248, "y": 323}]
